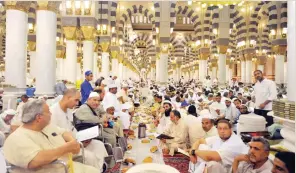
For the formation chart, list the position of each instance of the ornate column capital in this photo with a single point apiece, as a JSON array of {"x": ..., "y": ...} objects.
[
  {"x": 114, "y": 54},
  {"x": 105, "y": 46},
  {"x": 249, "y": 56},
  {"x": 204, "y": 56},
  {"x": 48, "y": 5},
  {"x": 70, "y": 32},
  {"x": 88, "y": 32},
  {"x": 214, "y": 62},
  {"x": 279, "y": 49},
  {"x": 222, "y": 49},
  {"x": 31, "y": 46},
  {"x": 18, "y": 5},
  {"x": 164, "y": 48},
  {"x": 261, "y": 60}
]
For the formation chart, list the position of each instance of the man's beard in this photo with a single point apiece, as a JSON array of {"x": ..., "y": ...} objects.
[{"x": 167, "y": 112}]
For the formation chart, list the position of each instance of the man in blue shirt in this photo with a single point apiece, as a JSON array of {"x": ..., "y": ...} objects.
[{"x": 86, "y": 87}]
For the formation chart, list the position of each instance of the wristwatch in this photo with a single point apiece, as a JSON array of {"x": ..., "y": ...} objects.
[{"x": 192, "y": 152}]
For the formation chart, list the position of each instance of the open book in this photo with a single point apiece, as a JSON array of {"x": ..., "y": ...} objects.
[
  {"x": 163, "y": 136},
  {"x": 183, "y": 152},
  {"x": 86, "y": 134}
]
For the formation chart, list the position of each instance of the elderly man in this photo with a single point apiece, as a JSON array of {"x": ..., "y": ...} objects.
[
  {"x": 177, "y": 129},
  {"x": 208, "y": 126},
  {"x": 111, "y": 129},
  {"x": 163, "y": 119},
  {"x": 62, "y": 116},
  {"x": 86, "y": 87},
  {"x": 284, "y": 162},
  {"x": 218, "y": 154},
  {"x": 33, "y": 145},
  {"x": 111, "y": 98},
  {"x": 87, "y": 113},
  {"x": 256, "y": 160},
  {"x": 264, "y": 92},
  {"x": 5, "y": 120}
]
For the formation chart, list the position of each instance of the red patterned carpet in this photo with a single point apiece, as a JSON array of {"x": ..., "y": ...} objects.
[
  {"x": 115, "y": 169},
  {"x": 178, "y": 161}
]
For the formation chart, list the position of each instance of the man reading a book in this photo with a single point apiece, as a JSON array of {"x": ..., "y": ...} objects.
[
  {"x": 36, "y": 144},
  {"x": 178, "y": 130}
]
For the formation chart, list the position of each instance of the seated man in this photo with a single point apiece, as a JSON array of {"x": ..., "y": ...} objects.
[
  {"x": 220, "y": 153},
  {"x": 218, "y": 107},
  {"x": 163, "y": 119},
  {"x": 62, "y": 116},
  {"x": 231, "y": 112},
  {"x": 111, "y": 128},
  {"x": 32, "y": 147},
  {"x": 256, "y": 160},
  {"x": 178, "y": 130},
  {"x": 284, "y": 162},
  {"x": 5, "y": 120}
]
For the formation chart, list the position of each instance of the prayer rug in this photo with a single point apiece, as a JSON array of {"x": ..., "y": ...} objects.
[
  {"x": 115, "y": 168},
  {"x": 178, "y": 161}
]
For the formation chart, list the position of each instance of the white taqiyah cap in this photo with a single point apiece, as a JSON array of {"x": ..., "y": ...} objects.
[{"x": 93, "y": 94}]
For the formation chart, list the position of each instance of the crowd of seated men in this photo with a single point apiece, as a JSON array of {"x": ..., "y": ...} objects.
[{"x": 201, "y": 119}]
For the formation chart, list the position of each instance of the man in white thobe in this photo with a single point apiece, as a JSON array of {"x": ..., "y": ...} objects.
[
  {"x": 231, "y": 112},
  {"x": 111, "y": 98},
  {"x": 217, "y": 153},
  {"x": 218, "y": 107},
  {"x": 264, "y": 92},
  {"x": 163, "y": 120},
  {"x": 178, "y": 130},
  {"x": 62, "y": 116}
]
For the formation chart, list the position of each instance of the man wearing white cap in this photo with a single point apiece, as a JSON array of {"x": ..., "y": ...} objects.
[
  {"x": 231, "y": 112},
  {"x": 163, "y": 119},
  {"x": 111, "y": 98},
  {"x": 124, "y": 116},
  {"x": 5, "y": 119},
  {"x": 123, "y": 92}
]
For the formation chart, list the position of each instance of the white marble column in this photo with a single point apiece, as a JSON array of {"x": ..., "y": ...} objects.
[
  {"x": 291, "y": 40},
  {"x": 71, "y": 61},
  {"x": 285, "y": 72},
  {"x": 46, "y": 29},
  {"x": 222, "y": 69},
  {"x": 163, "y": 65},
  {"x": 95, "y": 66},
  {"x": 60, "y": 68},
  {"x": 88, "y": 55},
  {"x": 248, "y": 71},
  {"x": 279, "y": 69},
  {"x": 178, "y": 71},
  {"x": 157, "y": 69},
  {"x": 214, "y": 73},
  {"x": 227, "y": 73},
  {"x": 196, "y": 75},
  {"x": 120, "y": 70},
  {"x": 114, "y": 66},
  {"x": 78, "y": 72},
  {"x": 124, "y": 72},
  {"x": 260, "y": 67},
  {"x": 243, "y": 71},
  {"x": 16, "y": 48},
  {"x": 202, "y": 69},
  {"x": 105, "y": 65},
  {"x": 33, "y": 64}
]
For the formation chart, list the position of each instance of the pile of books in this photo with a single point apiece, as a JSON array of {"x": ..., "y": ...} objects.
[{"x": 284, "y": 109}]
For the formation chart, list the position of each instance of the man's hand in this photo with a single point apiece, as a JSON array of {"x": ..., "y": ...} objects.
[
  {"x": 262, "y": 106},
  {"x": 193, "y": 159},
  {"x": 162, "y": 110},
  {"x": 73, "y": 147},
  {"x": 242, "y": 157}
]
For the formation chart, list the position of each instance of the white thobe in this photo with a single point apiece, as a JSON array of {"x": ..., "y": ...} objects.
[
  {"x": 125, "y": 120},
  {"x": 207, "y": 83},
  {"x": 231, "y": 113},
  {"x": 194, "y": 128},
  {"x": 163, "y": 123},
  {"x": 214, "y": 106},
  {"x": 65, "y": 120},
  {"x": 264, "y": 90},
  {"x": 111, "y": 98},
  {"x": 227, "y": 150}
]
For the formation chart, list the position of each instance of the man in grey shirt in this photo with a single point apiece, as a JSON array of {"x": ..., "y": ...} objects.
[{"x": 60, "y": 87}]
